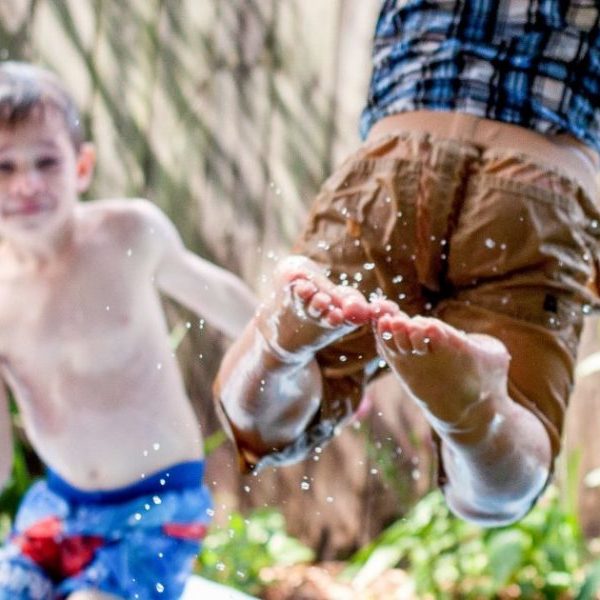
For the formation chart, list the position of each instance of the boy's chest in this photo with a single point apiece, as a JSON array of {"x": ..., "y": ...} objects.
[{"x": 69, "y": 316}]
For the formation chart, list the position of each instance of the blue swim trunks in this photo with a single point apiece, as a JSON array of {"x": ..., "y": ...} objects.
[{"x": 137, "y": 542}]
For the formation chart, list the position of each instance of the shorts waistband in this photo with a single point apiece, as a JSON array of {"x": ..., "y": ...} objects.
[
  {"x": 181, "y": 476},
  {"x": 561, "y": 152}
]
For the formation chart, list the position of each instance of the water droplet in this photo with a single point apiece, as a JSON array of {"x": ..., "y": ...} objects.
[
  {"x": 397, "y": 279},
  {"x": 156, "y": 500},
  {"x": 305, "y": 485},
  {"x": 387, "y": 335},
  {"x": 156, "y": 446},
  {"x": 343, "y": 358},
  {"x": 357, "y": 276},
  {"x": 107, "y": 307},
  {"x": 374, "y": 471},
  {"x": 129, "y": 252},
  {"x": 586, "y": 309},
  {"x": 220, "y": 566},
  {"x": 160, "y": 588},
  {"x": 329, "y": 499},
  {"x": 247, "y": 489},
  {"x": 490, "y": 243},
  {"x": 159, "y": 366},
  {"x": 369, "y": 266}
]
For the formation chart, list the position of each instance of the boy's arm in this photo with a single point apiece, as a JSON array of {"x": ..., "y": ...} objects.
[
  {"x": 217, "y": 295},
  {"x": 6, "y": 438}
]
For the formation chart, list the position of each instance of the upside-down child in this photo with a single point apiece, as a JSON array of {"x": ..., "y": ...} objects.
[
  {"x": 84, "y": 349},
  {"x": 455, "y": 247}
]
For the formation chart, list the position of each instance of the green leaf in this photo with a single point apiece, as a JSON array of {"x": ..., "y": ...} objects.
[
  {"x": 506, "y": 551},
  {"x": 591, "y": 585}
]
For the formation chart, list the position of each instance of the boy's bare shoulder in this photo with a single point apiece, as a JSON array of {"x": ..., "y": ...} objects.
[
  {"x": 124, "y": 216},
  {"x": 128, "y": 222},
  {"x": 129, "y": 211}
]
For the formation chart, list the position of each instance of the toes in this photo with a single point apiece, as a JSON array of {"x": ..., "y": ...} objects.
[
  {"x": 393, "y": 333},
  {"x": 355, "y": 309},
  {"x": 303, "y": 289},
  {"x": 322, "y": 307},
  {"x": 382, "y": 306}
]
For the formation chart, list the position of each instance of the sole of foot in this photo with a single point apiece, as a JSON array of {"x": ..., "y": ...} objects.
[{"x": 444, "y": 369}]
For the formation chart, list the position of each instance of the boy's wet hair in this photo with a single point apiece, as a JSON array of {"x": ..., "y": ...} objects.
[{"x": 27, "y": 91}]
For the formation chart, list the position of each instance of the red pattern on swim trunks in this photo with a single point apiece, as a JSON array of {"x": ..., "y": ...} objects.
[
  {"x": 59, "y": 555},
  {"x": 185, "y": 531}
]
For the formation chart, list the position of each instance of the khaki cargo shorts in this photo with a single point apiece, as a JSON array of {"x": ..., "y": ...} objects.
[{"x": 489, "y": 242}]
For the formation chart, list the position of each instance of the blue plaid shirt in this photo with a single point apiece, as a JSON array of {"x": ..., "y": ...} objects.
[{"x": 534, "y": 63}]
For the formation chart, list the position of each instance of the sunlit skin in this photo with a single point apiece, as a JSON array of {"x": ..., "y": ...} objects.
[
  {"x": 496, "y": 454},
  {"x": 84, "y": 345}
]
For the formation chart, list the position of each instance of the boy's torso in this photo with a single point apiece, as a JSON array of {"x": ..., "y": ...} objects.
[{"x": 84, "y": 347}]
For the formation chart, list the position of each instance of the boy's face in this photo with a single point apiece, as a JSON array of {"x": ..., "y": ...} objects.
[{"x": 41, "y": 177}]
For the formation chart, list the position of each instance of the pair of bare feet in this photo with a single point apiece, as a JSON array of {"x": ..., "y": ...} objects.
[{"x": 446, "y": 371}]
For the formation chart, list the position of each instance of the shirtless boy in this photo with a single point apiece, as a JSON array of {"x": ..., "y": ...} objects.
[
  {"x": 456, "y": 245},
  {"x": 84, "y": 348}
]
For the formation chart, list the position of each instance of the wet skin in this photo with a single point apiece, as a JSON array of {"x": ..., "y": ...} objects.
[{"x": 496, "y": 453}]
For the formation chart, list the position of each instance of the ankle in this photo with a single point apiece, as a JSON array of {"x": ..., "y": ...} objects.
[
  {"x": 476, "y": 424},
  {"x": 275, "y": 356}
]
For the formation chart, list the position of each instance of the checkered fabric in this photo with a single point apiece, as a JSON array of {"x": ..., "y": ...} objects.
[{"x": 534, "y": 63}]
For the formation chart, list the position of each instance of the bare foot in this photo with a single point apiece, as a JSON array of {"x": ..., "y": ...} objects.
[
  {"x": 307, "y": 311},
  {"x": 448, "y": 372}
]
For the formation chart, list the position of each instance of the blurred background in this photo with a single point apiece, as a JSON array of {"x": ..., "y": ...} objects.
[{"x": 229, "y": 114}]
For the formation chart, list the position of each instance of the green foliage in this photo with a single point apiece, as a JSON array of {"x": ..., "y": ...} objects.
[
  {"x": 234, "y": 555},
  {"x": 16, "y": 486},
  {"x": 542, "y": 556},
  {"x": 21, "y": 476}
]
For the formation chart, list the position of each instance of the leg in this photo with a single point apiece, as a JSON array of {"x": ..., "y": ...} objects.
[
  {"x": 497, "y": 454},
  {"x": 269, "y": 384}
]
